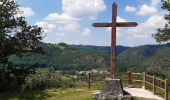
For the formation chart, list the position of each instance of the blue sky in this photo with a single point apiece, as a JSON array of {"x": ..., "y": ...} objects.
[{"x": 70, "y": 21}]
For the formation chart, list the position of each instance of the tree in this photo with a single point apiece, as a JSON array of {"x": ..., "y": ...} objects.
[
  {"x": 16, "y": 36},
  {"x": 163, "y": 34}
]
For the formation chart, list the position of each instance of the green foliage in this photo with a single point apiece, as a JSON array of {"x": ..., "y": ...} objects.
[
  {"x": 63, "y": 57},
  {"x": 163, "y": 34},
  {"x": 101, "y": 49},
  {"x": 11, "y": 77},
  {"x": 16, "y": 36},
  {"x": 160, "y": 62},
  {"x": 155, "y": 59},
  {"x": 44, "y": 79}
]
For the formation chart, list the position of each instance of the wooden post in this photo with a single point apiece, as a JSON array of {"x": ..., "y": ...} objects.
[
  {"x": 129, "y": 79},
  {"x": 153, "y": 84},
  {"x": 166, "y": 89},
  {"x": 144, "y": 80},
  {"x": 114, "y": 24},
  {"x": 89, "y": 80}
]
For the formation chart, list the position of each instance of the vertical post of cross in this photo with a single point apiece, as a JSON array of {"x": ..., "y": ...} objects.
[
  {"x": 113, "y": 25},
  {"x": 113, "y": 40}
]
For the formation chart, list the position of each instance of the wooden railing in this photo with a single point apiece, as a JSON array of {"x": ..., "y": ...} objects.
[{"x": 143, "y": 78}]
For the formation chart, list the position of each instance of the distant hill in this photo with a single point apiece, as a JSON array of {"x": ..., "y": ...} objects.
[
  {"x": 150, "y": 58},
  {"x": 103, "y": 49},
  {"x": 64, "y": 57}
]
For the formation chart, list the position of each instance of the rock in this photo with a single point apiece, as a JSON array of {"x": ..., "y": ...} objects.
[{"x": 113, "y": 90}]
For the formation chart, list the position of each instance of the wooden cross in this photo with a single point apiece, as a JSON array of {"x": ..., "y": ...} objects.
[{"x": 113, "y": 25}]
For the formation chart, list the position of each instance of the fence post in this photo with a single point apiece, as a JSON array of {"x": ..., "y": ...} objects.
[
  {"x": 166, "y": 89},
  {"x": 129, "y": 79},
  {"x": 154, "y": 84},
  {"x": 144, "y": 80},
  {"x": 89, "y": 80}
]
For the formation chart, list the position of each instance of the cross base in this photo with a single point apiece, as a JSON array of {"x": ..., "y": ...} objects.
[{"x": 112, "y": 90}]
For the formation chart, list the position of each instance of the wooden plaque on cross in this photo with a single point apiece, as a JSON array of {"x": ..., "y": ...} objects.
[{"x": 113, "y": 25}]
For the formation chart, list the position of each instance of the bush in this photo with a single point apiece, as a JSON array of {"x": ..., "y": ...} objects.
[
  {"x": 44, "y": 79},
  {"x": 12, "y": 77}
]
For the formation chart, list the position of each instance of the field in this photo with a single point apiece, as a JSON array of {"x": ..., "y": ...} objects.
[{"x": 81, "y": 92}]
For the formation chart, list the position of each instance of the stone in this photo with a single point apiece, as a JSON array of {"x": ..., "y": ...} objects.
[
  {"x": 113, "y": 90},
  {"x": 113, "y": 87}
]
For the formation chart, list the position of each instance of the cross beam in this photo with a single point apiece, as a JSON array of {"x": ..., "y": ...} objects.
[
  {"x": 118, "y": 24},
  {"x": 113, "y": 25}
]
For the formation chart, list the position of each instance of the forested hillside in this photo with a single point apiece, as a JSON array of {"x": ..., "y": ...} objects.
[
  {"x": 63, "y": 57},
  {"x": 151, "y": 58},
  {"x": 101, "y": 49}
]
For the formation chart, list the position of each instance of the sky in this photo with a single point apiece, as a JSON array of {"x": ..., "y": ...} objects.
[{"x": 70, "y": 21}]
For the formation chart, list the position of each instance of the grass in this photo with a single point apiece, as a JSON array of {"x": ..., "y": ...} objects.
[{"x": 81, "y": 92}]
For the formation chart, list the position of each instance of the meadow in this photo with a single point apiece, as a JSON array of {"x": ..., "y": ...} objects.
[{"x": 81, "y": 92}]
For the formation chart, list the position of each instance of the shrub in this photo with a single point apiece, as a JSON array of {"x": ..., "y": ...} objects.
[
  {"x": 12, "y": 77},
  {"x": 44, "y": 79}
]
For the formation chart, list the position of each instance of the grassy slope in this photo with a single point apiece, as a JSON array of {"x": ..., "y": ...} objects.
[{"x": 79, "y": 93}]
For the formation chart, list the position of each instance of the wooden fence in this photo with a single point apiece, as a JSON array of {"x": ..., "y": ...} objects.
[{"x": 154, "y": 82}]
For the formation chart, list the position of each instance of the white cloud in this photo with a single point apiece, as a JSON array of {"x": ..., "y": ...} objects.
[
  {"x": 86, "y": 32},
  {"x": 119, "y": 19},
  {"x": 72, "y": 26},
  {"x": 146, "y": 29},
  {"x": 73, "y": 12},
  {"x": 83, "y": 8},
  {"x": 51, "y": 26},
  {"x": 27, "y": 11},
  {"x": 155, "y": 21},
  {"x": 41, "y": 24},
  {"x": 146, "y": 10},
  {"x": 130, "y": 9},
  {"x": 60, "y": 34},
  {"x": 60, "y": 18},
  {"x": 155, "y": 2},
  {"x": 46, "y": 26},
  {"x": 143, "y": 30}
]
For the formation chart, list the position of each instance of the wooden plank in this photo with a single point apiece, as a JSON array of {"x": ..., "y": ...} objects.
[
  {"x": 154, "y": 81},
  {"x": 136, "y": 80},
  {"x": 160, "y": 88},
  {"x": 102, "y": 25},
  {"x": 113, "y": 41},
  {"x": 160, "y": 79},
  {"x": 89, "y": 80},
  {"x": 149, "y": 83},
  {"x": 137, "y": 73},
  {"x": 166, "y": 89},
  {"x": 143, "y": 80},
  {"x": 129, "y": 79},
  {"x": 126, "y": 24},
  {"x": 92, "y": 74},
  {"x": 149, "y": 76}
]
